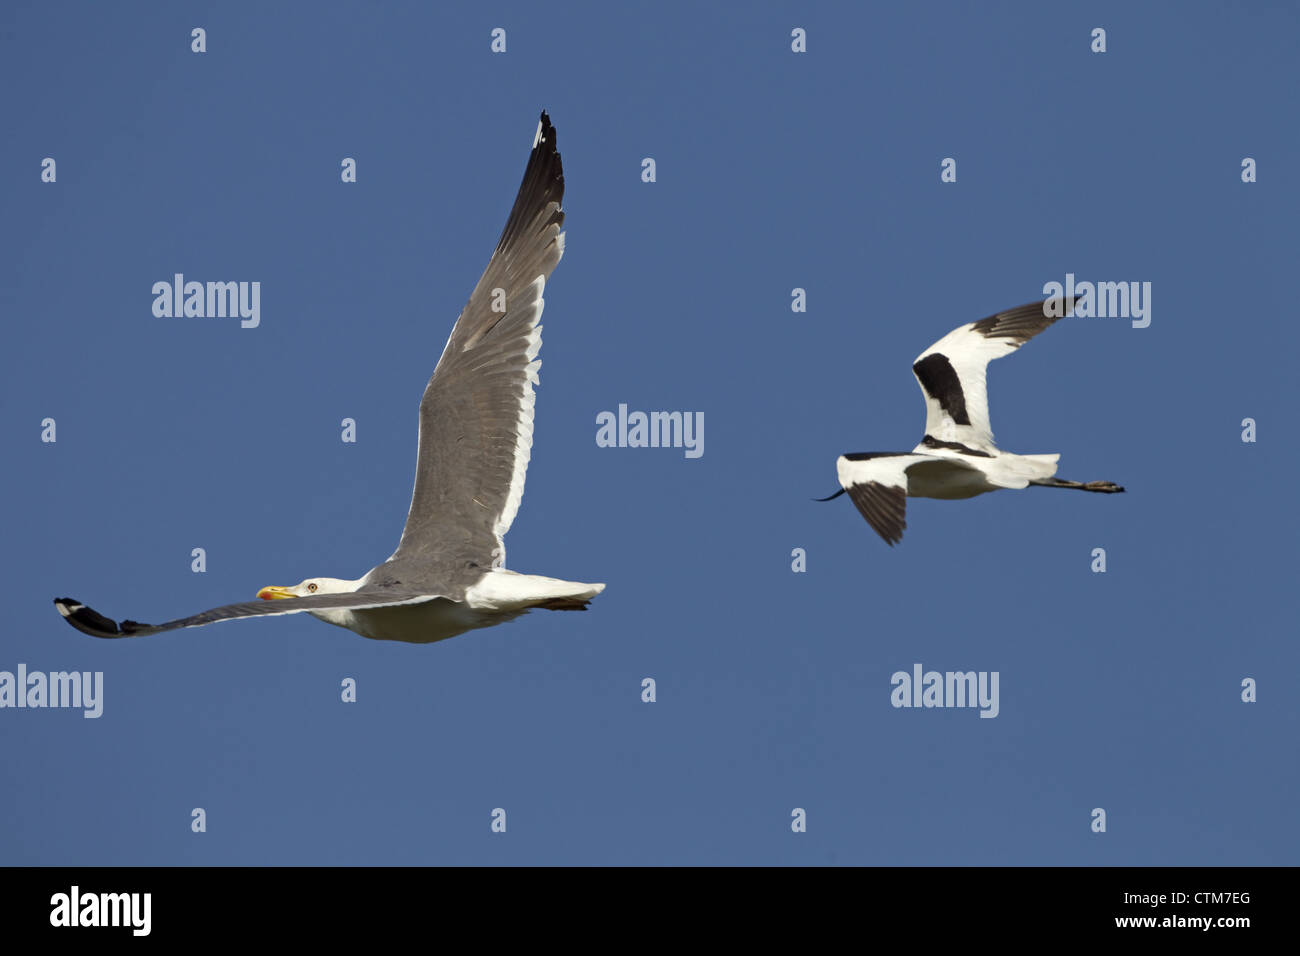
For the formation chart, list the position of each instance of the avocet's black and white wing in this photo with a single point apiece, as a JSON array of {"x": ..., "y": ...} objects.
[
  {"x": 476, "y": 416},
  {"x": 876, "y": 483},
  {"x": 89, "y": 621},
  {"x": 879, "y": 483},
  {"x": 951, "y": 372}
]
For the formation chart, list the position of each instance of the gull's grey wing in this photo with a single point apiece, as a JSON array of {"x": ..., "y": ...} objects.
[
  {"x": 476, "y": 416},
  {"x": 89, "y": 621}
]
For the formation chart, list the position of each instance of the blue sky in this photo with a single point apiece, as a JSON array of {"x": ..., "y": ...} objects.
[{"x": 775, "y": 170}]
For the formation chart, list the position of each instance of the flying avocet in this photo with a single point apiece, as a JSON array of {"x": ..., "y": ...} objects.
[{"x": 957, "y": 457}]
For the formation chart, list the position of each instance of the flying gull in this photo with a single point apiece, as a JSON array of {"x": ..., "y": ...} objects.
[
  {"x": 957, "y": 457},
  {"x": 476, "y": 434}
]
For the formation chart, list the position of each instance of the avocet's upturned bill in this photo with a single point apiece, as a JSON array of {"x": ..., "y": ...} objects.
[
  {"x": 476, "y": 434},
  {"x": 957, "y": 457}
]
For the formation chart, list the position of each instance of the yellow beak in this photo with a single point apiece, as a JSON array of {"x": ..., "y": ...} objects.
[{"x": 270, "y": 594}]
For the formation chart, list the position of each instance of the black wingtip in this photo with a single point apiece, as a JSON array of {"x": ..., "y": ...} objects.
[
  {"x": 831, "y": 497},
  {"x": 545, "y": 132},
  {"x": 88, "y": 620},
  {"x": 1065, "y": 303},
  {"x": 543, "y": 183}
]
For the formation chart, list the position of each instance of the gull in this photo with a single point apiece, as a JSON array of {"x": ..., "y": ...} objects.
[
  {"x": 957, "y": 457},
  {"x": 448, "y": 573}
]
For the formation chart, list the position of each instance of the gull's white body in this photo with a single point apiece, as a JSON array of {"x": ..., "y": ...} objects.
[{"x": 498, "y": 597}]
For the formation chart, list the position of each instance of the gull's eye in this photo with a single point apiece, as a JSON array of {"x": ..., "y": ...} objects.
[{"x": 312, "y": 586}]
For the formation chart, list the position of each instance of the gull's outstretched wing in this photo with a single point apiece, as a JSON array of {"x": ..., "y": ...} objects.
[
  {"x": 89, "y": 621},
  {"x": 951, "y": 372},
  {"x": 476, "y": 417}
]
